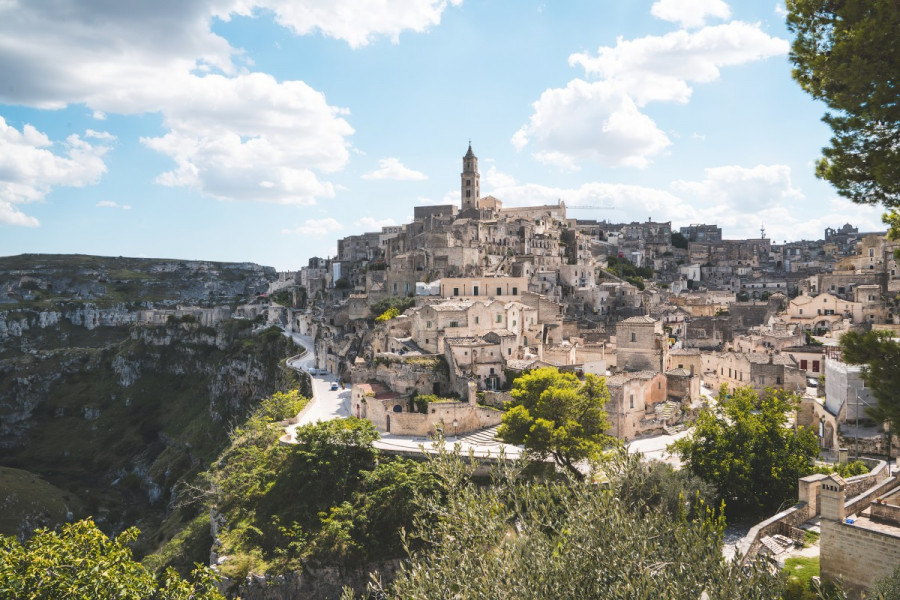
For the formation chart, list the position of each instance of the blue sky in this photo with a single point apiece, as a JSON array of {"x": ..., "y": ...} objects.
[{"x": 264, "y": 130}]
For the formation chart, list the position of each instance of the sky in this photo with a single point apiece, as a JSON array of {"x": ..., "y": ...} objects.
[{"x": 265, "y": 130}]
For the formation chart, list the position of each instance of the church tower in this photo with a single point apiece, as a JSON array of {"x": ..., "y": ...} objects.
[{"x": 471, "y": 180}]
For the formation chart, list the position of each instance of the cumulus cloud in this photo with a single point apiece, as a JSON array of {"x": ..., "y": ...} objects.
[
  {"x": 373, "y": 224},
  {"x": 590, "y": 121},
  {"x": 317, "y": 228},
  {"x": 111, "y": 204},
  {"x": 250, "y": 137},
  {"x": 735, "y": 187},
  {"x": 357, "y": 22},
  {"x": 739, "y": 199},
  {"x": 392, "y": 168},
  {"x": 495, "y": 179},
  {"x": 689, "y": 13},
  {"x": 660, "y": 68},
  {"x": 232, "y": 134},
  {"x": 602, "y": 121},
  {"x": 31, "y": 165}
]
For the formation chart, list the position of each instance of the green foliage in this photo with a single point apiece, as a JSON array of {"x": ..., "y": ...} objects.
[
  {"x": 281, "y": 405},
  {"x": 845, "y": 55},
  {"x": 80, "y": 562},
  {"x": 742, "y": 297},
  {"x": 850, "y": 469},
  {"x": 679, "y": 241},
  {"x": 328, "y": 498},
  {"x": 342, "y": 284},
  {"x": 744, "y": 446},
  {"x": 387, "y": 315},
  {"x": 400, "y": 304},
  {"x": 530, "y": 540},
  {"x": 624, "y": 268},
  {"x": 283, "y": 297},
  {"x": 554, "y": 414},
  {"x": 799, "y": 571},
  {"x": 887, "y": 588},
  {"x": 880, "y": 357}
]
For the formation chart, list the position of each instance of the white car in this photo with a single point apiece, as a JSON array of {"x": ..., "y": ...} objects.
[{"x": 334, "y": 387}]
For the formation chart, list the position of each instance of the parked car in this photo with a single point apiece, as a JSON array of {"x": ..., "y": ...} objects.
[
  {"x": 812, "y": 381},
  {"x": 334, "y": 386}
]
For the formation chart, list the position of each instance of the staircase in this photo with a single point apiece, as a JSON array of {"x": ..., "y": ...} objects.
[{"x": 482, "y": 437}]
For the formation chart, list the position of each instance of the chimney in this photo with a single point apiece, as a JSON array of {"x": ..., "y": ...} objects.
[{"x": 831, "y": 498}]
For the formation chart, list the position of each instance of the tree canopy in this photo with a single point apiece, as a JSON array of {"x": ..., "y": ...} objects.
[
  {"x": 880, "y": 356},
  {"x": 745, "y": 446},
  {"x": 847, "y": 54},
  {"x": 554, "y": 414},
  {"x": 567, "y": 539},
  {"x": 82, "y": 563}
]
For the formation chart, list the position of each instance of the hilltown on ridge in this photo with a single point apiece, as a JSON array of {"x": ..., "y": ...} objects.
[{"x": 495, "y": 291}]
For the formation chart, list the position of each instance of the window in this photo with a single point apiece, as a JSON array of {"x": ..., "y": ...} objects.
[
  {"x": 455, "y": 290},
  {"x": 499, "y": 318},
  {"x": 762, "y": 380},
  {"x": 633, "y": 336},
  {"x": 516, "y": 290},
  {"x": 468, "y": 193},
  {"x": 815, "y": 368},
  {"x": 803, "y": 364},
  {"x": 428, "y": 325},
  {"x": 492, "y": 370},
  {"x": 454, "y": 323},
  {"x": 508, "y": 351},
  {"x": 499, "y": 291},
  {"x": 476, "y": 320},
  {"x": 778, "y": 380},
  {"x": 475, "y": 290},
  {"x": 514, "y": 322},
  {"x": 659, "y": 385},
  {"x": 631, "y": 400}
]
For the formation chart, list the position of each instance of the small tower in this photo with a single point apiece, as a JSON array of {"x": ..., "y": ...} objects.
[{"x": 470, "y": 189}]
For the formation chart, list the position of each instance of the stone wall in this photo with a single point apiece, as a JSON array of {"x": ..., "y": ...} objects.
[{"x": 856, "y": 555}]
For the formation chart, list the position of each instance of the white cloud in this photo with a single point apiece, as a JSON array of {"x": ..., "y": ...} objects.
[
  {"x": 780, "y": 9},
  {"x": 317, "y": 228},
  {"x": 373, "y": 224},
  {"x": 99, "y": 135},
  {"x": 661, "y": 67},
  {"x": 392, "y": 168},
  {"x": 590, "y": 121},
  {"x": 357, "y": 22},
  {"x": 745, "y": 189},
  {"x": 495, "y": 179},
  {"x": 689, "y": 13},
  {"x": 233, "y": 134},
  {"x": 739, "y": 199},
  {"x": 602, "y": 121},
  {"x": 111, "y": 204},
  {"x": 31, "y": 165},
  {"x": 250, "y": 137}
]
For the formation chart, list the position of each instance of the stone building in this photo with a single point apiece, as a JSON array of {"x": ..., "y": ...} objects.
[
  {"x": 860, "y": 544},
  {"x": 641, "y": 345}
]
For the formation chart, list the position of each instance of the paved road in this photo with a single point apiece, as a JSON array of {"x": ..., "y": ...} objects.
[{"x": 325, "y": 404}]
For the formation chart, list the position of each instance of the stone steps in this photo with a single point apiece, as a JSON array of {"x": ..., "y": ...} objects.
[{"x": 482, "y": 437}]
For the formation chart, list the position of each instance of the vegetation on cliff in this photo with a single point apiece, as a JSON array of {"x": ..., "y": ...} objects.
[
  {"x": 81, "y": 563},
  {"x": 116, "y": 427},
  {"x": 330, "y": 498}
]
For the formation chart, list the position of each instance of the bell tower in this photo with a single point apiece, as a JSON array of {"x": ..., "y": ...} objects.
[{"x": 470, "y": 189}]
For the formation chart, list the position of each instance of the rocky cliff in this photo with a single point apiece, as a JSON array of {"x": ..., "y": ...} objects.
[{"x": 111, "y": 407}]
